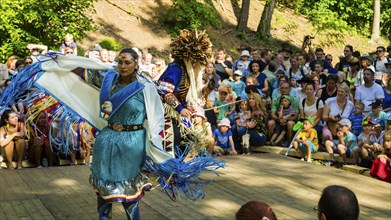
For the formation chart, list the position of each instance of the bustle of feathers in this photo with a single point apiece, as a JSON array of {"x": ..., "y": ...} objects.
[{"x": 192, "y": 45}]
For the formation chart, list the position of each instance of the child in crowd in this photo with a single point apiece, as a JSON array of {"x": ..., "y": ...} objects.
[
  {"x": 307, "y": 140},
  {"x": 224, "y": 144},
  {"x": 285, "y": 110},
  {"x": 69, "y": 42},
  {"x": 344, "y": 144},
  {"x": 221, "y": 106},
  {"x": 362, "y": 150},
  {"x": 294, "y": 85},
  {"x": 238, "y": 85},
  {"x": 244, "y": 114},
  {"x": 376, "y": 140},
  {"x": 203, "y": 132},
  {"x": 381, "y": 167},
  {"x": 377, "y": 111},
  {"x": 357, "y": 118}
]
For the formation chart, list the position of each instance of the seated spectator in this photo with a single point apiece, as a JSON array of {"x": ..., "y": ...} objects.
[
  {"x": 344, "y": 143},
  {"x": 376, "y": 139},
  {"x": 290, "y": 121},
  {"x": 28, "y": 61},
  {"x": 336, "y": 109},
  {"x": 338, "y": 202},
  {"x": 104, "y": 56},
  {"x": 270, "y": 72},
  {"x": 256, "y": 127},
  {"x": 377, "y": 111},
  {"x": 256, "y": 210},
  {"x": 68, "y": 51},
  {"x": 224, "y": 144},
  {"x": 366, "y": 62},
  {"x": 263, "y": 82},
  {"x": 221, "y": 106},
  {"x": 330, "y": 90},
  {"x": 12, "y": 136},
  {"x": 356, "y": 118},
  {"x": 363, "y": 150},
  {"x": 307, "y": 140},
  {"x": 297, "y": 71},
  {"x": 11, "y": 65},
  {"x": 381, "y": 167},
  {"x": 19, "y": 66},
  {"x": 370, "y": 91},
  {"x": 112, "y": 56},
  {"x": 39, "y": 145},
  {"x": 243, "y": 63},
  {"x": 387, "y": 93},
  {"x": 312, "y": 107},
  {"x": 284, "y": 112},
  {"x": 277, "y": 92}
]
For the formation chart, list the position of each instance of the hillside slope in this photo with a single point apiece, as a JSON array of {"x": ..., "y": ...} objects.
[{"x": 135, "y": 24}]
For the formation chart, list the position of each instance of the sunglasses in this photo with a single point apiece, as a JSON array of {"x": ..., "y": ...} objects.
[
  {"x": 330, "y": 59},
  {"x": 28, "y": 63},
  {"x": 70, "y": 52},
  {"x": 379, "y": 51}
]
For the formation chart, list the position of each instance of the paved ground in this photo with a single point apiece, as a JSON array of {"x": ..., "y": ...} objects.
[{"x": 290, "y": 186}]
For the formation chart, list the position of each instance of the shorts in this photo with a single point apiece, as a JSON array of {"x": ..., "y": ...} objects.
[
  {"x": 303, "y": 148},
  {"x": 349, "y": 152}
]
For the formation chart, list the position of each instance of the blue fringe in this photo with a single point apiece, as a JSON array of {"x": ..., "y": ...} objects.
[{"x": 179, "y": 177}]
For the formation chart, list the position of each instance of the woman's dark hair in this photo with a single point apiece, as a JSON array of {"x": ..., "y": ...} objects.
[
  {"x": 332, "y": 77},
  {"x": 310, "y": 84},
  {"x": 131, "y": 52},
  {"x": 4, "y": 117},
  {"x": 251, "y": 64},
  {"x": 350, "y": 47},
  {"x": 18, "y": 63}
]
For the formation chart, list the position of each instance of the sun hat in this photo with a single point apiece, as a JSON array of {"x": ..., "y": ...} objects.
[
  {"x": 245, "y": 53},
  {"x": 200, "y": 112},
  {"x": 367, "y": 57},
  {"x": 345, "y": 122},
  {"x": 225, "y": 122}
]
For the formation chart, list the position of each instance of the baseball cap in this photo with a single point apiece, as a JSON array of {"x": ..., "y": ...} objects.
[
  {"x": 238, "y": 72},
  {"x": 345, "y": 122},
  {"x": 376, "y": 104}
]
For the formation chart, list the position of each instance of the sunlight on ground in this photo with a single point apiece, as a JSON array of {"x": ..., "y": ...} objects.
[
  {"x": 224, "y": 204},
  {"x": 65, "y": 182}
]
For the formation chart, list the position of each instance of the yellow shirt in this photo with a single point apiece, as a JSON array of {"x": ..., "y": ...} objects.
[{"x": 308, "y": 134}]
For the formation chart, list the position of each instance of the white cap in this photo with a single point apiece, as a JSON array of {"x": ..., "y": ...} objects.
[
  {"x": 245, "y": 53},
  {"x": 238, "y": 72}
]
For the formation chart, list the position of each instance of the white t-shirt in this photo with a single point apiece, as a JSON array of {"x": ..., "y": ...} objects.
[
  {"x": 335, "y": 109},
  {"x": 310, "y": 110},
  {"x": 369, "y": 95}
]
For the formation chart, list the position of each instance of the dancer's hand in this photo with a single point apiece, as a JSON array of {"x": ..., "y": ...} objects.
[{"x": 186, "y": 113}]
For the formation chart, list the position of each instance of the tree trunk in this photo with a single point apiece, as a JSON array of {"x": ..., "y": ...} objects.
[
  {"x": 376, "y": 21},
  {"x": 243, "y": 19},
  {"x": 266, "y": 19}
]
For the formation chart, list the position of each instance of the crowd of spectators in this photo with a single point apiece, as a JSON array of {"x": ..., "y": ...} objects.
[{"x": 257, "y": 98}]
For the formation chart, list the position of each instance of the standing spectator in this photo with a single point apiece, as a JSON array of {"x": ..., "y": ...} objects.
[
  {"x": 147, "y": 65},
  {"x": 104, "y": 56},
  {"x": 329, "y": 59},
  {"x": 370, "y": 91},
  {"x": 266, "y": 57},
  {"x": 270, "y": 71},
  {"x": 223, "y": 67},
  {"x": 338, "y": 202},
  {"x": 243, "y": 64},
  {"x": 255, "y": 54},
  {"x": 287, "y": 54},
  {"x": 69, "y": 42},
  {"x": 112, "y": 56}
]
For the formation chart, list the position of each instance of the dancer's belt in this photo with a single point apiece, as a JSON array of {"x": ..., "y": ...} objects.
[{"x": 121, "y": 127}]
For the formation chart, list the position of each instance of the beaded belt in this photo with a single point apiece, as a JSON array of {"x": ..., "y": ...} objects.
[{"x": 121, "y": 127}]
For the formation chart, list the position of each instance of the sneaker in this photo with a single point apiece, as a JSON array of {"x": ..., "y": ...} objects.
[
  {"x": 309, "y": 160},
  {"x": 302, "y": 159},
  {"x": 39, "y": 167}
]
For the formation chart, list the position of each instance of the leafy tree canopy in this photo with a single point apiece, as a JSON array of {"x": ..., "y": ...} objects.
[{"x": 41, "y": 22}]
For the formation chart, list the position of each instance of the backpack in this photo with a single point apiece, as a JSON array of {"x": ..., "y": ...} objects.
[{"x": 301, "y": 71}]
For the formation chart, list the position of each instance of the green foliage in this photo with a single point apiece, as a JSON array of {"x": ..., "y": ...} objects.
[
  {"x": 41, "y": 22},
  {"x": 110, "y": 43},
  {"x": 189, "y": 14},
  {"x": 342, "y": 15}
]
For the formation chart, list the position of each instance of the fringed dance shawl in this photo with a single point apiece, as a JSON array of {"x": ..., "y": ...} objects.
[{"x": 72, "y": 102}]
